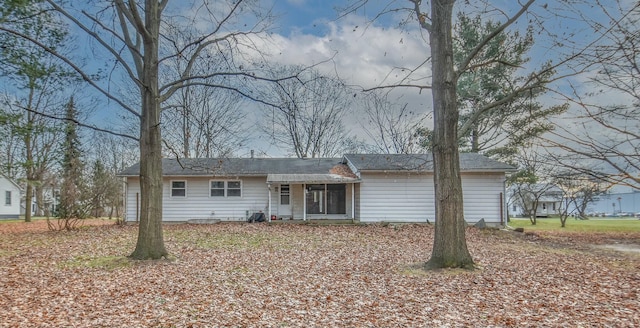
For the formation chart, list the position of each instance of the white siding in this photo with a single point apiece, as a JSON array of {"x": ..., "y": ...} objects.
[
  {"x": 199, "y": 205},
  {"x": 396, "y": 197},
  {"x": 388, "y": 197},
  {"x": 409, "y": 197},
  {"x": 12, "y": 210},
  {"x": 131, "y": 191},
  {"x": 481, "y": 194}
]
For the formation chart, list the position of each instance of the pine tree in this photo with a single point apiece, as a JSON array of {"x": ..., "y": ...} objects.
[{"x": 72, "y": 204}]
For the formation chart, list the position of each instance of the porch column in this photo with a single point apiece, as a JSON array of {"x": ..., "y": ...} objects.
[
  {"x": 269, "y": 204},
  {"x": 353, "y": 201}
]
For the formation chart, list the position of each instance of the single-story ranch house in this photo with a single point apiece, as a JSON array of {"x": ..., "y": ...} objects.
[{"x": 362, "y": 187}]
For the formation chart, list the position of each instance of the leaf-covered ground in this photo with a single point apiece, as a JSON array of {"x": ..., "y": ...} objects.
[{"x": 260, "y": 275}]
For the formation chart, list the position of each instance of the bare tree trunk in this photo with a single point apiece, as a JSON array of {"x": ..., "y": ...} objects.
[
  {"x": 475, "y": 140},
  {"x": 28, "y": 201},
  {"x": 449, "y": 245},
  {"x": 41, "y": 208},
  {"x": 150, "y": 243},
  {"x": 29, "y": 192}
]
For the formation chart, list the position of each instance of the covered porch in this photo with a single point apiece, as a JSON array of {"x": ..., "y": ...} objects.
[{"x": 311, "y": 197}]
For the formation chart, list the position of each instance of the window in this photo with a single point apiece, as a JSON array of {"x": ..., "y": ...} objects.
[
  {"x": 225, "y": 188},
  {"x": 7, "y": 197},
  {"x": 285, "y": 194},
  {"x": 217, "y": 189},
  {"x": 234, "y": 189},
  {"x": 178, "y": 189}
]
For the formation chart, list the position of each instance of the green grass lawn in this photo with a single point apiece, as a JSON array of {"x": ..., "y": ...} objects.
[{"x": 592, "y": 225}]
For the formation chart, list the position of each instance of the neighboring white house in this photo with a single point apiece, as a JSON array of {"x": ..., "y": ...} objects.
[
  {"x": 10, "y": 202},
  {"x": 523, "y": 199},
  {"x": 364, "y": 187},
  {"x": 50, "y": 199}
]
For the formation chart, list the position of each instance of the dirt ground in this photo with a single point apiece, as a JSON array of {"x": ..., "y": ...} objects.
[{"x": 261, "y": 275}]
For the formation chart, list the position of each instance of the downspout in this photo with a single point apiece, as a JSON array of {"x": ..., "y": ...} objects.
[
  {"x": 125, "y": 196},
  {"x": 504, "y": 200},
  {"x": 269, "y": 203},
  {"x": 502, "y": 221}
]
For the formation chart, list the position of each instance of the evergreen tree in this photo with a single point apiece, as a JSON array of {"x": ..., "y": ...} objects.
[
  {"x": 72, "y": 203},
  {"x": 497, "y": 117},
  {"x": 491, "y": 77}
]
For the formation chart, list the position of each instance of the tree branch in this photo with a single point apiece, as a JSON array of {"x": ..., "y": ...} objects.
[
  {"x": 95, "y": 37},
  {"x": 65, "y": 119},
  {"x": 78, "y": 70}
]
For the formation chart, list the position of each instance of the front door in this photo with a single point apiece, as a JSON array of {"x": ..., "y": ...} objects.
[
  {"x": 284, "y": 202},
  {"x": 326, "y": 199}
]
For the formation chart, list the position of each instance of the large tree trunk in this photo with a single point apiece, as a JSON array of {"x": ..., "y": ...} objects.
[
  {"x": 29, "y": 192},
  {"x": 449, "y": 245},
  {"x": 28, "y": 200},
  {"x": 150, "y": 243}
]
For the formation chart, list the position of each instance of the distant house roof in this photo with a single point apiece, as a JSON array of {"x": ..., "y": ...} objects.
[
  {"x": 469, "y": 162},
  {"x": 10, "y": 181},
  {"x": 240, "y": 166}
]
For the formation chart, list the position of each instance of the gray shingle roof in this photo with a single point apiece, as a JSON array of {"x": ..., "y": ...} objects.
[
  {"x": 239, "y": 166},
  {"x": 469, "y": 162}
]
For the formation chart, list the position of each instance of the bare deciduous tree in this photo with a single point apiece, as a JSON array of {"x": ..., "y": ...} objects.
[
  {"x": 308, "y": 114},
  {"x": 131, "y": 36},
  {"x": 578, "y": 191},
  {"x": 393, "y": 128},
  {"x": 602, "y": 139},
  {"x": 114, "y": 154},
  {"x": 36, "y": 80},
  {"x": 204, "y": 122}
]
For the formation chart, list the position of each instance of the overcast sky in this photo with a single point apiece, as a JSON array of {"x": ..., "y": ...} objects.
[
  {"x": 364, "y": 52},
  {"x": 369, "y": 53}
]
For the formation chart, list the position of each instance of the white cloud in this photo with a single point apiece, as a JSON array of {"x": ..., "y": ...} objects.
[
  {"x": 366, "y": 56},
  {"x": 363, "y": 55}
]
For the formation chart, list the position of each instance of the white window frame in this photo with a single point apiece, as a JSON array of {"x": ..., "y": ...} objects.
[
  {"x": 224, "y": 193},
  {"x": 226, "y": 188},
  {"x": 285, "y": 192},
  {"x": 171, "y": 189},
  {"x": 7, "y": 197}
]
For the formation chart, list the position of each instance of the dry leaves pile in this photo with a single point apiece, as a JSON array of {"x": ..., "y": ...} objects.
[{"x": 260, "y": 275}]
